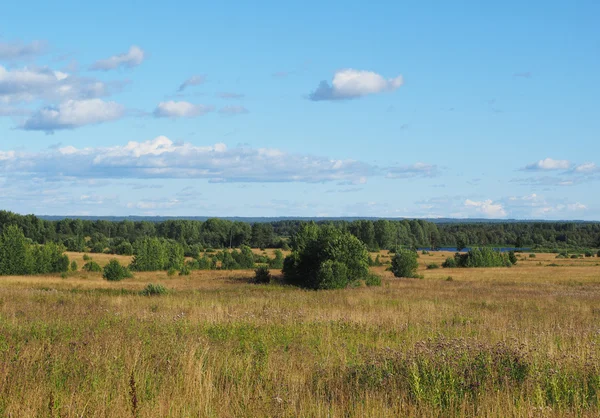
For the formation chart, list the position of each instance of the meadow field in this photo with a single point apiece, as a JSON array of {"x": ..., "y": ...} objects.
[{"x": 495, "y": 342}]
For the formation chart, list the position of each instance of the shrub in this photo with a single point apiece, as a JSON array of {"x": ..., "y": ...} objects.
[
  {"x": 86, "y": 257},
  {"x": 373, "y": 280},
  {"x": 154, "y": 290},
  {"x": 185, "y": 270},
  {"x": 262, "y": 275},
  {"x": 114, "y": 271},
  {"x": 74, "y": 266},
  {"x": 588, "y": 253},
  {"x": 532, "y": 255},
  {"x": 277, "y": 261},
  {"x": 92, "y": 267},
  {"x": 404, "y": 263},
  {"x": 512, "y": 257},
  {"x": 332, "y": 275},
  {"x": 450, "y": 262},
  {"x": 598, "y": 254},
  {"x": 449, "y": 279},
  {"x": 325, "y": 257},
  {"x": 433, "y": 266},
  {"x": 573, "y": 256},
  {"x": 171, "y": 272},
  {"x": 482, "y": 257}
]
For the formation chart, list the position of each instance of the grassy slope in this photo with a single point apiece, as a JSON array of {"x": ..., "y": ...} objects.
[{"x": 216, "y": 346}]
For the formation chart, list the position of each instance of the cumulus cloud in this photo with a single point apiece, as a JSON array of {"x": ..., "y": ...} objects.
[
  {"x": 233, "y": 110},
  {"x": 73, "y": 114},
  {"x": 487, "y": 208},
  {"x": 172, "y": 109},
  {"x": 132, "y": 58},
  {"x": 414, "y": 170},
  {"x": 18, "y": 50},
  {"x": 162, "y": 158},
  {"x": 549, "y": 164},
  {"x": 192, "y": 81},
  {"x": 352, "y": 84},
  {"x": 29, "y": 84}
]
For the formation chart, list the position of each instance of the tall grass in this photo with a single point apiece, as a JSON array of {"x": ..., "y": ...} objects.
[{"x": 492, "y": 342}]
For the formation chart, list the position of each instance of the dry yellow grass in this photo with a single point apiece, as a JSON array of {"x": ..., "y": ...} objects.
[{"x": 217, "y": 346}]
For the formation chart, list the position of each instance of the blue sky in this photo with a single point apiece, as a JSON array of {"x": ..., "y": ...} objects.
[{"x": 395, "y": 109}]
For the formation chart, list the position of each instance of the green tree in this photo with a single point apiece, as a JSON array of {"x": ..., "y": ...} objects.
[
  {"x": 404, "y": 263},
  {"x": 15, "y": 253},
  {"x": 317, "y": 257}
]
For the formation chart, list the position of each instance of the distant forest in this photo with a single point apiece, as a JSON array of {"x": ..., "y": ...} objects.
[{"x": 194, "y": 235}]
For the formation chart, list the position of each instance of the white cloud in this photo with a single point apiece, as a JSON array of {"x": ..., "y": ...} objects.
[
  {"x": 72, "y": 114},
  {"x": 549, "y": 164},
  {"x": 31, "y": 84},
  {"x": 192, "y": 81},
  {"x": 587, "y": 168},
  {"x": 233, "y": 110},
  {"x": 414, "y": 170},
  {"x": 486, "y": 208},
  {"x": 351, "y": 84},
  {"x": 172, "y": 109},
  {"x": 162, "y": 158},
  {"x": 19, "y": 50},
  {"x": 132, "y": 58},
  {"x": 576, "y": 206}
]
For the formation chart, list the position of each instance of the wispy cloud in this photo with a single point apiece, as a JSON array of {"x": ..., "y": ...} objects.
[
  {"x": 172, "y": 109},
  {"x": 233, "y": 110},
  {"x": 414, "y": 170},
  {"x": 18, "y": 50},
  {"x": 162, "y": 158},
  {"x": 130, "y": 59},
  {"x": 194, "y": 80}
]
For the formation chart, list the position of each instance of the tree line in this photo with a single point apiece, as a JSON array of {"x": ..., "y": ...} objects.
[{"x": 194, "y": 236}]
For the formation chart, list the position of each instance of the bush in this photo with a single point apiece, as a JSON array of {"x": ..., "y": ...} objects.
[
  {"x": 74, "y": 266},
  {"x": 92, "y": 267},
  {"x": 325, "y": 257},
  {"x": 332, "y": 275},
  {"x": 450, "y": 262},
  {"x": 114, "y": 271},
  {"x": 588, "y": 253},
  {"x": 185, "y": 270},
  {"x": 532, "y": 256},
  {"x": 512, "y": 257},
  {"x": 154, "y": 290},
  {"x": 373, "y": 280},
  {"x": 598, "y": 254},
  {"x": 405, "y": 264},
  {"x": 262, "y": 275},
  {"x": 277, "y": 262},
  {"x": 86, "y": 257},
  {"x": 171, "y": 272},
  {"x": 481, "y": 257},
  {"x": 574, "y": 256},
  {"x": 433, "y": 266}
]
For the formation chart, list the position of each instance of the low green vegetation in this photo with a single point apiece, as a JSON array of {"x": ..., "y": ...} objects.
[
  {"x": 481, "y": 257},
  {"x": 115, "y": 272}
]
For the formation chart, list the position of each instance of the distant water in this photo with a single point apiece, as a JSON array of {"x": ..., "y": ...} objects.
[{"x": 453, "y": 249}]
